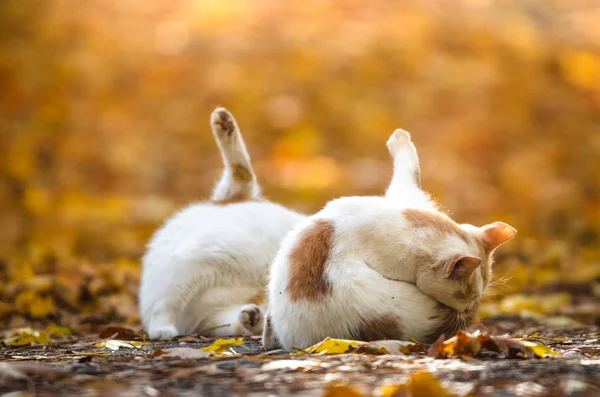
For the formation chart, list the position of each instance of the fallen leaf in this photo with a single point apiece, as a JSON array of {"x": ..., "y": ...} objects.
[
  {"x": 537, "y": 336},
  {"x": 341, "y": 391},
  {"x": 540, "y": 350},
  {"x": 389, "y": 347},
  {"x": 220, "y": 345},
  {"x": 420, "y": 384},
  {"x": 57, "y": 330},
  {"x": 26, "y": 336},
  {"x": 465, "y": 344},
  {"x": 115, "y": 344},
  {"x": 333, "y": 346},
  {"x": 157, "y": 353},
  {"x": 537, "y": 304}
]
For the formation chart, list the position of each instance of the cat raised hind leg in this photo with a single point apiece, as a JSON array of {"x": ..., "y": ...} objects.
[
  {"x": 406, "y": 161},
  {"x": 238, "y": 181},
  {"x": 405, "y": 186}
]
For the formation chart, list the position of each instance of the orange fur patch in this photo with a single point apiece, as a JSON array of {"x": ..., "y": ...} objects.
[
  {"x": 378, "y": 328},
  {"x": 259, "y": 298},
  {"x": 308, "y": 261},
  {"x": 434, "y": 220},
  {"x": 241, "y": 173}
]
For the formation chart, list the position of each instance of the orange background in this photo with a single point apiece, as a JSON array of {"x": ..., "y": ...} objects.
[{"x": 104, "y": 110}]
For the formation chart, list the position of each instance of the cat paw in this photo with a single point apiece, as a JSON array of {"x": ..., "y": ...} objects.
[
  {"x": 167, "y": 332},
  {"x": 398, "y": 140},
  {"x": 222, "y": 121},
  {"x": 251, "y": 319}
]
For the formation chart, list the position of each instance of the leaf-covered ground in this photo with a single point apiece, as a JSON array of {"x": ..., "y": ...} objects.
[
  {"x": 104, "y": 128},
  {"x": 96, "y": 365}
]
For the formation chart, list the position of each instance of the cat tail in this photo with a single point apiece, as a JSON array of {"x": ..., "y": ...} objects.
[{"x": 238, "y": 182}]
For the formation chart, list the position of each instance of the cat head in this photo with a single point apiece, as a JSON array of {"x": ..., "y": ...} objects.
[{"x": 455, "y": 260}]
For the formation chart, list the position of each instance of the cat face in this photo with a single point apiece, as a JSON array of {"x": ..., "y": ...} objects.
[
  {"x": 460, "y": 261},
  {"x": 452, "y": 263}
]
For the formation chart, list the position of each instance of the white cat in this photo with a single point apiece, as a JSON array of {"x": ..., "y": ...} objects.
[
  {"x": 206, "y": 269},
  {"x": 380, "y": 267}
]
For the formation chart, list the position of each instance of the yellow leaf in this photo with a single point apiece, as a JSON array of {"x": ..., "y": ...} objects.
[
  {"x": 424, "y": 384},
  {"x": 341, "y": 391},
  {"x": 542, "y": 304},
  {"x": 37, "y": 200},
  {"x": 27, "y": 336},
  {"x": 333, "y": 346},
  {"x": 40, "y": 307},
  {"x": 57, "y": 330},
  {"x": 393, "y": 390},
  {"x": 115, "y": 344},
  {"x": 29, "y": 302},
  {"x": 389, "y": 347},
  {"x": 540, "y": 350},
  {"x": 581, "y": 68},
  {"x": 23, "y": 271},
  {"x": 220, "y": 345},
  {"x": 420, "y": 384}
]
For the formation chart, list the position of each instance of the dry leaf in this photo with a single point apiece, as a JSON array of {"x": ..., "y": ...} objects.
[
  {"x": 333, "y": 346},
  {"x": 389, "y": 347},
  {"x": 468, "y": 345},
  {"x": 57, "y": 330},
  {"x": 26, "y": 336},
  {"x": 420, "y": 384},
  {"x": 341, "y": 391},
  {"x": 115, "y": 344},
  {"x": 220, "y": 345}
]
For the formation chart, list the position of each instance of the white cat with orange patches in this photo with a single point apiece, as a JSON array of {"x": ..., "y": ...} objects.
[
  {"x": 206, "y": 269},
  {"x": 369, "y": 268}
]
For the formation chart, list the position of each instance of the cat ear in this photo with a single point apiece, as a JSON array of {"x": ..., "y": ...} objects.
[
  {"x": 461, "y": 266},
  {"x": 496, "y": 234}
]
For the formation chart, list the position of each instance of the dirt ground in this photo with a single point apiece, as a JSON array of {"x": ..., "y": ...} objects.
[{"x": 74, "y": 365}]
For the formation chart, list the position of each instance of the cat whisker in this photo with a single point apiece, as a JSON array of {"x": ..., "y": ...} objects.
[
  {"x": 491, "y": 293},
  {"x": 502, "y": 281}
]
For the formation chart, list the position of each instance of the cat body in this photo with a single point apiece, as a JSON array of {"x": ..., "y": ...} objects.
[
  {"x": 206, "y": 269},
  {"x": 369, "y": 268}
]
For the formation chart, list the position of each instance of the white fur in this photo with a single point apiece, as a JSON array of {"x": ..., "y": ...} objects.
[
  {"x": 358, "y": 291},
  {"x": 373, "y": 244},
  {"x": 206, "y": 263}
]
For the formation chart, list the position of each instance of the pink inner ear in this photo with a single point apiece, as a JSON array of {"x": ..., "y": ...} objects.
[
  {"x": 497, "y": 234},
  {"x": 469, "y": 264}
]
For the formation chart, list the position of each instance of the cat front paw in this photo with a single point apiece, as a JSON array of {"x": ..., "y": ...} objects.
[
  {"x": 251, "y": 318},
  {"x": 166, "y": 332},
  {"x": 222, "y": 121},
  {"x": 398, "y": 140}
]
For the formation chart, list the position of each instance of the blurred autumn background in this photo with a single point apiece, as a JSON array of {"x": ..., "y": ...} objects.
[{"x": 104, "y": 126}]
